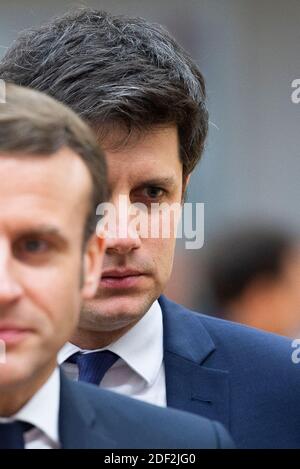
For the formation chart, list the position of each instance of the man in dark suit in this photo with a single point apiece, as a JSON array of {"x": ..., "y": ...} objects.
[
  {"x": 53, "y": 175},
  {"x": 243, "y": 377},
  {"x": 145, "y": 98},
  {"x": 95, "y": 418}
]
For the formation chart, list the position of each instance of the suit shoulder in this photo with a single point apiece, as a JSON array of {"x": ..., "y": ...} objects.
[
  {"x": 174, "y": 428},
  {"x": 234, "y": 337}
]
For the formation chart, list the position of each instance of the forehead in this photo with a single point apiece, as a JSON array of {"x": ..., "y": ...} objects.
[
  {"x": 43, "y": 188},
  {"x": 151, "y": 154}
]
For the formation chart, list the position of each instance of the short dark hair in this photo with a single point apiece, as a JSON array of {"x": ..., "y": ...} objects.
[
  {"x": 36, "y": 124},
  {"x": 113, "y": 69},
  {"x": 239, "y": 257}
]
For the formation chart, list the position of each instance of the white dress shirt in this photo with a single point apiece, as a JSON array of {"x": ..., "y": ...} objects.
[
  {"x": 42, "y": 411},
  {"x": 139, "y": 373}
]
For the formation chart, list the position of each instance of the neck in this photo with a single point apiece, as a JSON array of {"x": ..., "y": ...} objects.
[
  {"x": 16, "y": 396},
  {"x": 90, "y": 340}
]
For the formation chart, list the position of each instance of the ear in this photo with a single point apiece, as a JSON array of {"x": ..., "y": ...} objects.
[
  {"x": 92, "y": 265},
  {"x": 185, "y": 183}
]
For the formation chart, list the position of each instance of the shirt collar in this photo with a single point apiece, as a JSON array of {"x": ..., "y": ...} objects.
[
  {"x": 141, "y": 347},
  {"x": 42, "y": 410}
]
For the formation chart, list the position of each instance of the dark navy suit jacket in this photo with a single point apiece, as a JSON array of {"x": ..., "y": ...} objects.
[
  {"x": 93, "y": 418},
  {"x": 238, "y": 375}
]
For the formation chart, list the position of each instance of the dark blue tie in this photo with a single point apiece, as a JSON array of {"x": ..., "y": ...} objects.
[
  {"x": 12, "y": 435},
  {"x": 93, "y": 366}
]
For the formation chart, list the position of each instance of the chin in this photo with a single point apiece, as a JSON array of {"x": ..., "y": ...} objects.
[
  {"x": 116, "y": 312},
  {"x": 14, "y": 373}
]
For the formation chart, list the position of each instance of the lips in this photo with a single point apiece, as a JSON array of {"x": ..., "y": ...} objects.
[
  {"x": 120, "y": 278},
  {"x": 12, "y": 334}
]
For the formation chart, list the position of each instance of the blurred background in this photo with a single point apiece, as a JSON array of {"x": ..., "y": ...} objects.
[{"x": 248, "y": 51}]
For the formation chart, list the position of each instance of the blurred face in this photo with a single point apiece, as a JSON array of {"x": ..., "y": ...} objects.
[
  {"x": 273, "y": 304},
  {"x": 136, "y": 267},
  {"x": 44, "y": 203},
  {"x": 287, "y": 319}
]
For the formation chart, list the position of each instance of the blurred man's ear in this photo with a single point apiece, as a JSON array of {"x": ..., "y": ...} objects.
[
  {"x": 92, "y": 265},
  {"x": 185, "y": 183}
]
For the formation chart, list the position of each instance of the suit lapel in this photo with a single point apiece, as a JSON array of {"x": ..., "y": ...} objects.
[
  {"x": 78, "y": 426},
  {"x": 192, "y": 385}
]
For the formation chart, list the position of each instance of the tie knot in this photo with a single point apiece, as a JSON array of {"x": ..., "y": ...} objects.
[
  {"x": 93, "y": 366},
  {"x": 12, "y": 434}
]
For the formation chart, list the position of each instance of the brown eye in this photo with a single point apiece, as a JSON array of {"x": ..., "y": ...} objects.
[{"x": 154, "y": 192}]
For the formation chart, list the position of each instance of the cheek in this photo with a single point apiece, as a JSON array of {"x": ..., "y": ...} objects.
[
  {"x": 56, "y": 297},
  {"x": 162, "y": 253},
  {"x": 164, "y": 223}
]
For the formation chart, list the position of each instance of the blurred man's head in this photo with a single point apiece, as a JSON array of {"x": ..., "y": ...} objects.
[
  {"x": 145, "y": 98},
  {"x": 253, "y": 276},
  {"x": 52, "y": 175}
]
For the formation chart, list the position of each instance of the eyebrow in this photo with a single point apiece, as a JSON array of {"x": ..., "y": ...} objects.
[
  {"x": 167, "y": 181},
  {"x": 46, "y": 230}
]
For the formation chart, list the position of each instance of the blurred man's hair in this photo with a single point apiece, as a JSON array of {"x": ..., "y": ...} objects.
[
  {"x": 32, "y": 123},
  {"x": 115, "y": 70},
  {"x": 238, "y": 258}
]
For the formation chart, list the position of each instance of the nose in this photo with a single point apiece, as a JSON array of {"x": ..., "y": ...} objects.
[
  {"x": 122, "y": 245},
  {"x": 124, "y": 237},
  {"x": 10, "y": 288}
]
